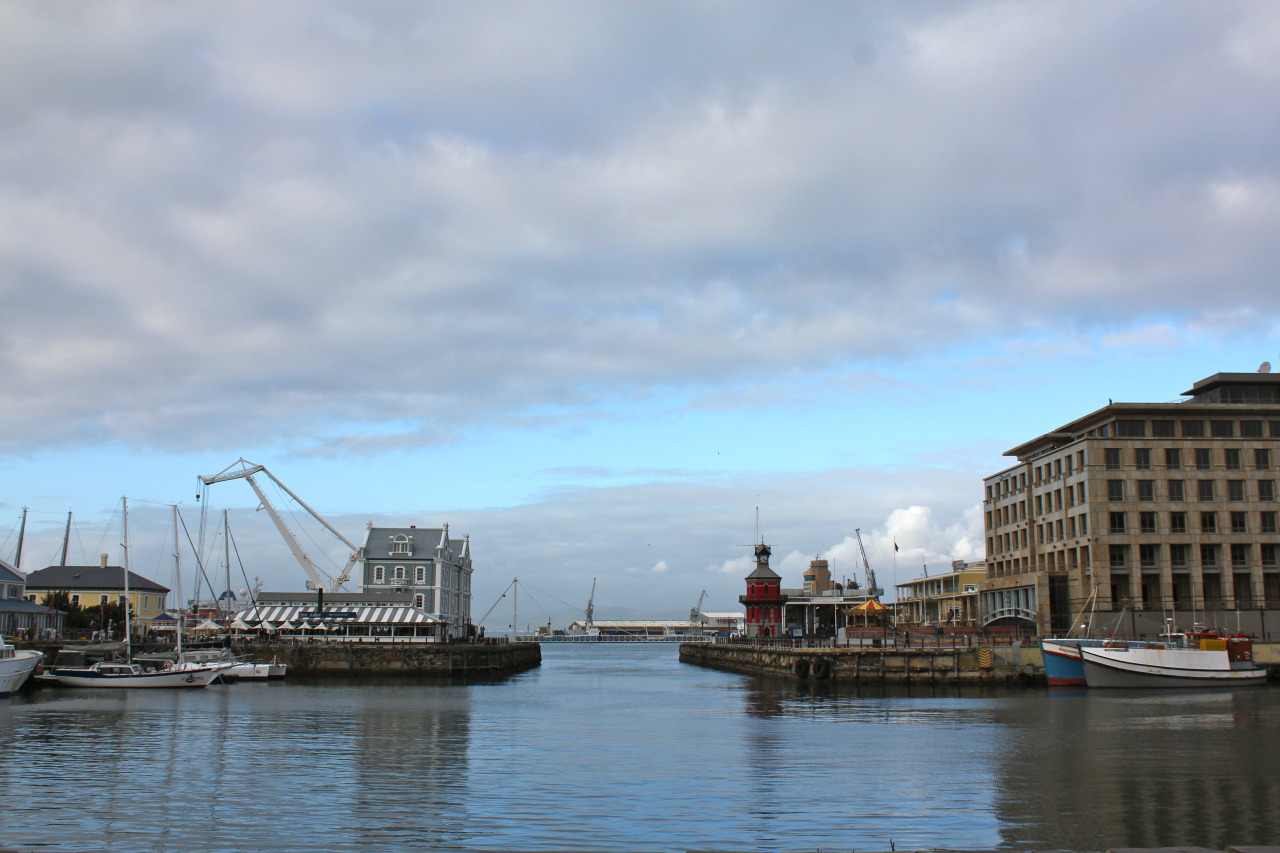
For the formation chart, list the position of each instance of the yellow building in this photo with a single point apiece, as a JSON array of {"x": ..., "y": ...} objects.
[
  {"x": 950, "y": 598},
  {"x": 90, "y": 586}
]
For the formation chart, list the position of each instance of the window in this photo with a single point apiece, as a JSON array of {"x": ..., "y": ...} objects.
[
  {"x": 419, "y": 601},
  {"x": 75, "y": 598},
  {"x": 1147, "y": 522},
  {"x": 1209, "y": 556},
  {"x": 1232, "y": 458},
  {"x": 400, "y": 545},
  {"x": 1204, "y": 459},
  {"x": 1115, "y": 490},
  {"x": 379, "y": 574},
  {"x": 1222, "y": 429},
  {"x": 1178, "y": 556},
  {"x": 1142, "y": 458},
  {"x": 1163, "y": 429},
  {"x": 1117, "y": 522},
  {"x": 1268, "y": 556},
  {"x": 1172, "y": 457},
  {"x": 1084, "y": 525},
  {"x": 1146, "y": 490},
  {"x": 1266, "y": 490},
  {"x": 1239, "y": 522},
  {"x": 1240, "y": 556},
  {"x": 398, "y": 573},
  {"x": 1119, "y": 556},
  {"x": 103, "y": 599},
  {"x": 1176, "y": 490},
  {"x": 421, "y": 574},
  {"x": 1177, "y": 522},
  {"x": 1131, "y": 429},
  {"x": 1251, "y": 429},
  {"x": 1208, "y": 522},
  {"x": 1235, "y": 490},
  {"x": 1267, "y": 521},
  {"x": 1204, "y": 490},
  {"x": 1148, "y": 556},
  {"x": 1262, "y": 459},
  {"x": 1039, "y": 505},
  {"x": 1193, "y": 429},
  {"x": 1113, "y": 458}
]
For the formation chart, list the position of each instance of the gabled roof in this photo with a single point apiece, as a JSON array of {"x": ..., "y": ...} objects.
[
  {"x": 90, "y": 577},
  {"x": 9, "y": 574},
  {"x": 425, "y": 543}
]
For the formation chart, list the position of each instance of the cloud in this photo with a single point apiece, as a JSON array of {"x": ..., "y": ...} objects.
[{"x": 439, "y": 217}]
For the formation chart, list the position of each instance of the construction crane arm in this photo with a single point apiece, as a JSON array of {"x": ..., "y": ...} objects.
[
  {"x": 873, "y": 590},
  {"x": 317, "y": 578}
]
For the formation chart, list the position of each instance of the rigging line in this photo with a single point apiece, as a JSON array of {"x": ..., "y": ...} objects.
[
  {"x": 240, "y": 562},
  {"x": 199, "y": 565},
  {"x": 574, "y": 607},
  {"x": 496, "y": 603},
  {"x": 538, "y": 605}
]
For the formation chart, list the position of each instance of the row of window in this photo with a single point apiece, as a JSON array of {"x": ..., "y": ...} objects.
[
  {"x": 1180, "y": 555},
  {"x": 1233, "y": 458},
  {"x": 1192, "y": 428},
  {"x": 1176, "y": 490},
  {"x": 1236, "y": 522},
  {"x": 399, "y": 573}
]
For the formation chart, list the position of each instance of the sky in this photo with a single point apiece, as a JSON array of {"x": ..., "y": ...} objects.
[{"x": 615, "y": 289}]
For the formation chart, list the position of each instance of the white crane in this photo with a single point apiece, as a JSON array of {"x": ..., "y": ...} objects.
[
  {"x": 317, "y": 578},
  {"x": 873, "y": 591}
]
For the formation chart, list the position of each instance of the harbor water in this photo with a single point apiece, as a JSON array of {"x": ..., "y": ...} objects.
[{"x": 622, "y": 747}]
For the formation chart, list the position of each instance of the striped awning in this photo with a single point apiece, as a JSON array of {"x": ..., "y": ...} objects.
[{"x": 338, "y": 615}]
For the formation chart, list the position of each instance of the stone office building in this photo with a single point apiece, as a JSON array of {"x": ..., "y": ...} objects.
[{"x": 1154, "y": 510}]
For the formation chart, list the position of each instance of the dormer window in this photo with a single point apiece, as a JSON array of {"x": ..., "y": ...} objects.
[{"x": 401, "y": 545}]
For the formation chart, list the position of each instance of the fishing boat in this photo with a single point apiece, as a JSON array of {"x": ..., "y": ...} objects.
[
  {"x": 121, "y": 674},
  {"x": 1063, "y": 661},
  {"x": 15, "y": 666},
  {"x": 1194, "y": 659}
]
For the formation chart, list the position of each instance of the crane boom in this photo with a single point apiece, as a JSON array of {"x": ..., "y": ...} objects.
[
  {"x": 696, "y": 610},
  {"x": 316, "y": 577},
  {"x": 591, "y": 605},
  {"x": 873, "y": 590}
]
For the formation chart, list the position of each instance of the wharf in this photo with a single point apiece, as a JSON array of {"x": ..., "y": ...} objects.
[
  {"x": 398, "y": 659},
  {"x": 980, "y": 665}
]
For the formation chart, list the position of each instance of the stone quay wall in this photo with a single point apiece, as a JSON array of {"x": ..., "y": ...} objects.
[
  {"x": 968, "y": 666},
  {"x": 399, "y": 659}
]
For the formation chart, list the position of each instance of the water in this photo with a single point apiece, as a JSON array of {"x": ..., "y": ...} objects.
[{"x": 621, "y": 747}]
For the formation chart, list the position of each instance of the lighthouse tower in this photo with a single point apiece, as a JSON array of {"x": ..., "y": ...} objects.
[{"x": 764, "y": 598}]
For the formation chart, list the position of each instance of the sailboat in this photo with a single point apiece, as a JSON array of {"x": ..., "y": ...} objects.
[{"x": 129, "y": 673}]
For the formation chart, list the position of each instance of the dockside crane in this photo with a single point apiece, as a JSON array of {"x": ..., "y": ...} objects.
[
  {"x": 873, "y": 590},
  {"x": 696, "y": 610},
  {"x": 317, "y": 578},
  {"x": 590, "y": 612}
]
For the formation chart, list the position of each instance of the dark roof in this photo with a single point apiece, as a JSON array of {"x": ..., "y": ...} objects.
[{"x": 89, "y": 577}]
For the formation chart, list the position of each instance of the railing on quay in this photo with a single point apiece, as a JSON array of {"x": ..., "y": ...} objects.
[{"x": 891, "y": 640}]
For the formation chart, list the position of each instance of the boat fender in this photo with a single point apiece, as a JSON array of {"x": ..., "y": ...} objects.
[
  {"x": 801, "y": 668},
  {"x": 821, "y": 669}
]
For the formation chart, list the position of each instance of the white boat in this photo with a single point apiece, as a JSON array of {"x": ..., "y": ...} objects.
[
  {"x": 1188, "y": 660},
  {"x": 233, "y": 667},
  {"x": 133, "y": 675},
  {"x": 258, "y": 671},
  {"x": 15, "y": 666}
]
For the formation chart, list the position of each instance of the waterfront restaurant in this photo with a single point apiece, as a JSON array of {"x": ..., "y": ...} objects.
[{"x": 342, "y": 623}]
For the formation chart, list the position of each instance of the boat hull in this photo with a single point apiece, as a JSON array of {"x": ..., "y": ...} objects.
[
  {"x": 1165, "y": 667},
  {"x": 90, "y": 677},
  {"x": 15, "y": 670}
]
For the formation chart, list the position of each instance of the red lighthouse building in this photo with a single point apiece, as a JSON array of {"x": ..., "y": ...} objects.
[{"x": 764, "y": 598}]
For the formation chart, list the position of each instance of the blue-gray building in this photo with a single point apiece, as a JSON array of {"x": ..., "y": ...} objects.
[{"x": 424, "y": 564}]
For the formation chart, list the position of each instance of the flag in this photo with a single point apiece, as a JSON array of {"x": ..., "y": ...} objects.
[{"x": 895, "y": 544}]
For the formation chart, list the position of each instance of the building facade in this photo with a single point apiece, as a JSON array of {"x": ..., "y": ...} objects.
[
  {"x": 948, "y": 598},
  {"x": 90, "y": 586},
  {"x": 20, "y": 617},
  {"x": 424, "y": 565},
  {"x": 1158, "y": 510},
  {"x": 764, "y": 599}
]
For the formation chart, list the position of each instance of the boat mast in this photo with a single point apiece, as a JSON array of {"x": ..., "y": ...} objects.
[
  {"x": 177, "y": 573},
  {"x": 66, "y": 539},
  {"x": 128, "y": 638},
  {"x": 226, "y": 545},
  {"x": 22, "y": 532}
]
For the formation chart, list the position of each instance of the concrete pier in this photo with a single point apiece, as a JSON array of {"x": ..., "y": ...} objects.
[
  {"x": 399, "y": 659},
  {"x": 965, "y": 665}
]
